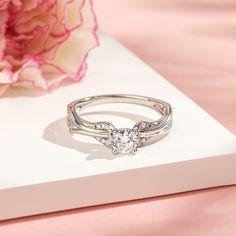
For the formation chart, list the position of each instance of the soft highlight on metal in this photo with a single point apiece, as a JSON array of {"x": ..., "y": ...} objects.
[{"x": 123, "y": 140}]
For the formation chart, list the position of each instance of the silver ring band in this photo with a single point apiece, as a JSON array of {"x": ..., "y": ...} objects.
[{"x": 120, "y": 140}]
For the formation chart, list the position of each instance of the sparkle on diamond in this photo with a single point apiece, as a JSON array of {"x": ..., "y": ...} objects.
[{"x": 125, "y": 140}]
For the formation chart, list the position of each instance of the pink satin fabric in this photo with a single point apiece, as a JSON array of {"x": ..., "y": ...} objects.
[{"x": 193, "y": 44}]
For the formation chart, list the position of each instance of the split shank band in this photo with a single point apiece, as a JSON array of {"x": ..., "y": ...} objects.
[{"x": 123, "y": 140}]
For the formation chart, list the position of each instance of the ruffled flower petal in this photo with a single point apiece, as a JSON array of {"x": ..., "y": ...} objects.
[{"x": 43, "y": 42}]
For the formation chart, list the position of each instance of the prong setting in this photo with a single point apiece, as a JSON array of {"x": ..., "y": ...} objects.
[
  {"x": 134, "y": 151},
  {"x": 114, "y": 151}
]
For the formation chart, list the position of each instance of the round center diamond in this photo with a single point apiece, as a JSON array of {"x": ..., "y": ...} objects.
[{"x": 125, "y": 141}]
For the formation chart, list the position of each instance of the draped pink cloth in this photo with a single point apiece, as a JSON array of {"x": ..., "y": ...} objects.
[{"x": 193, "y": 44}]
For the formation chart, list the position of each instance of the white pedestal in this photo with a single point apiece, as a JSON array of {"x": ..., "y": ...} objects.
[{"x": 44, "y": 169}]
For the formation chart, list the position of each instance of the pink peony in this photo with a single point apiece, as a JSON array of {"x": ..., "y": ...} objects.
[{"x": 43, "y": 42}]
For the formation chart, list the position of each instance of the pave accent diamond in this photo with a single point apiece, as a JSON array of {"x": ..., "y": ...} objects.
[
  {"x": 70, "y": 120},
  {"x": 105, "y": 126},
  {"x": 125, "y": 141}
]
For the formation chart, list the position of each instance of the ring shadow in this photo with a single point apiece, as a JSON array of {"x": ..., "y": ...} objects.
[{"x": 57, "y": 133}]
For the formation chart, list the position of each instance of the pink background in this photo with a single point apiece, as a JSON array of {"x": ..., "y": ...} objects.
[{"x": 192, "y": 43}]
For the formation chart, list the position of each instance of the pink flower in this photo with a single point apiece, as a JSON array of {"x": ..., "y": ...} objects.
[{"x": 43, "y": 42}]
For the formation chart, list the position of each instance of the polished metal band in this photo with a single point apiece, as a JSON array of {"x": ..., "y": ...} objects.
[{"x": 104, "y": 131}]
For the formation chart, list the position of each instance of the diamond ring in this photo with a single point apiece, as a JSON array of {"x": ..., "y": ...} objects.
[{"x": 123, "y": 140}]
